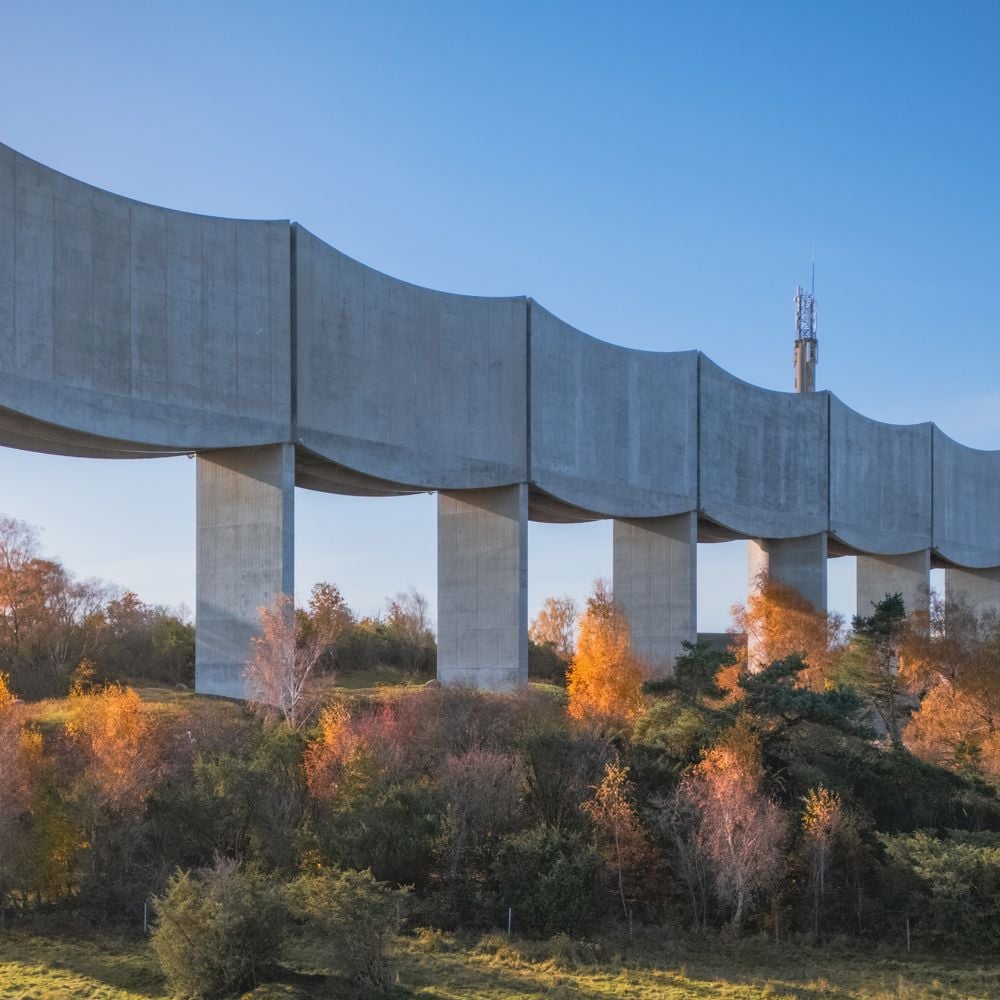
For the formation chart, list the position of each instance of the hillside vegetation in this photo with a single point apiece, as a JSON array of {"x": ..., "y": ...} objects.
[{"x": 800, "y": 820}]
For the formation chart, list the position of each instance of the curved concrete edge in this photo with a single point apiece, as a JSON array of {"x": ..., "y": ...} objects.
[
  {"x": 966, "y": 492},
  {"x": 130, "y": 330},
  {"x": 27, "y": 434},
  {"x": 135, "y": 323},
  {"x": 881, "y": 495},
  {"x": 762, "y": 457},
  {"x": 446, "y": 410},
  {"x": 612, "y": 429}
]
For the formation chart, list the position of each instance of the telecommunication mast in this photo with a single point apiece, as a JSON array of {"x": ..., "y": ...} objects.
[{"x": 806, "y": 345}]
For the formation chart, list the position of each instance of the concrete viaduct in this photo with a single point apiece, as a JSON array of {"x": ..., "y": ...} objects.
[{"x": 132, "y": 331}]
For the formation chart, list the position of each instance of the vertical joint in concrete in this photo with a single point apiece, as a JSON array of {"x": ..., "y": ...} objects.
[
  {"x": 246, "y": 545},
  {"x": 483, "y": 587},
  {"x": 909, "y": 575},
  {"x": 655, "y": 583}
]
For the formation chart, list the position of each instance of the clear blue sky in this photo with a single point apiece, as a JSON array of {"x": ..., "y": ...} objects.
[{"x": 654, "y": 173}]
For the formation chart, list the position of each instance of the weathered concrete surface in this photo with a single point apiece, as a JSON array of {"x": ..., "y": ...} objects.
[
  {"x": 405, "y": 383},
  {"x": 797, "y": 562},
  {"x": 980, "y": 588},
  {"x": 128, "y": 330},
  {"x": 762, "y": 457},
  {"x": 483, "y": 587},
  {"x": 136, "y": 324},
  {"x": 880, "y": 483},
  {"x": 246, "y": 552},
  {"x": 655, "y": 582},
  {"x": 966, "y": 503},
  {"x": 612, "y": 430},
  {"x": 909, "y": 575}
]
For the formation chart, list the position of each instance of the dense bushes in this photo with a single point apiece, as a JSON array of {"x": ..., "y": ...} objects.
[
  {"x": 951, "y": 886},
  {"x": 698, "y": 814},
  {"x": 221, "y": 930},
  {"x": 355, "y": 918},
  {"x": 550, "y": 881},
  {"x": 218, "y": 932}
]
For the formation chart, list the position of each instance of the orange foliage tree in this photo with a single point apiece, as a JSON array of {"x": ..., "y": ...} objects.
[
  {"x": 604, "y": 680},
  {"x": 779, "y": 622},
  {"x": 741, "y": 832},
  {"x": 952, "y": 656},
  {"x": 117, "y": 762},
  {"x": 118, "y": 745},
  {"x": 626, "y": 848},
  {"x": 20, "y": 766},
  {"x": 822, "y": 816},
  {"x": 336, "y": 756}
]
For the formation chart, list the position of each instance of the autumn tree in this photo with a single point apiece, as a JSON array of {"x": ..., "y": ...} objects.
[
  {"x": 625, "y": 846},
  {"x": 604, "y": 681},
  {"x": 953, "y": 661},
  {"x": 282, "y": 660},
  {"x": 43, "y": 614},
  {"x": 779, "y": 622},
  {"x": 741, "y": 832},
  {"x": 330, "y": 615},
  {"x": 822, "y": 817},
  {"x": 555, "y": 626},
  {"x": 20, "y": 765},
  {"x": 117, "y": 743},
  {"x": 337, "y": 757},
  {"x": 117, "y": 753}
]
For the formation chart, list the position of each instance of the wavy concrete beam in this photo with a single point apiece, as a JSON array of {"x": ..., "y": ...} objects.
[
  {"x": 128, "y": 330},
  {"x": 140, "y": 325}
]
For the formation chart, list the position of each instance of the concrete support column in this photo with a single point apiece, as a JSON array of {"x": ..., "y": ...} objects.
[
  {"x": 655, "y": 582},
  {"x": 483, "y": 587},
  {"x": 909, "y": 575},
  {"x": 979, "y": 587},
  {"x": 797, "y": 562},
  {"x": 246, "y": 551}
]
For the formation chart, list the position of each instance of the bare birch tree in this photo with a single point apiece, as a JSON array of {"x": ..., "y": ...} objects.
[{"x": 282, "y": 660}]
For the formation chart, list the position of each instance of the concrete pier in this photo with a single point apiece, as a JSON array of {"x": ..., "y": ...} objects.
[
  {"x": 655, "y": 582},
  {"x": 979, "y": 587},
  {"x": 128, "y": 330},
  {"x": 797, "y": 562},
  {"x": 909, "y": 575},
  {"x": 483, "y": 587},
  {"x": 245, "y": 540}
]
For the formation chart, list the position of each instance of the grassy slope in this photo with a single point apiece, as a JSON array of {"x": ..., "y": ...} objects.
[{"x": 434, "y": 967}]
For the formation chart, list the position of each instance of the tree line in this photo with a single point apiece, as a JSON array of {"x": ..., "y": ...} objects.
[{"x": 55, "y": 628}]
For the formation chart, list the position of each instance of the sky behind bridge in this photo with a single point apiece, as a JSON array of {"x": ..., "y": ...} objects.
[{"x": 656, "y": 174}]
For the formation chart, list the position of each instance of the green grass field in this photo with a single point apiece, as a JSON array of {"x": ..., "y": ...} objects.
[{"x": 436, "y": 966}]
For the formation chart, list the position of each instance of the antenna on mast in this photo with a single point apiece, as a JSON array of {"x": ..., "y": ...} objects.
[{"x": 806, "y": 353}]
